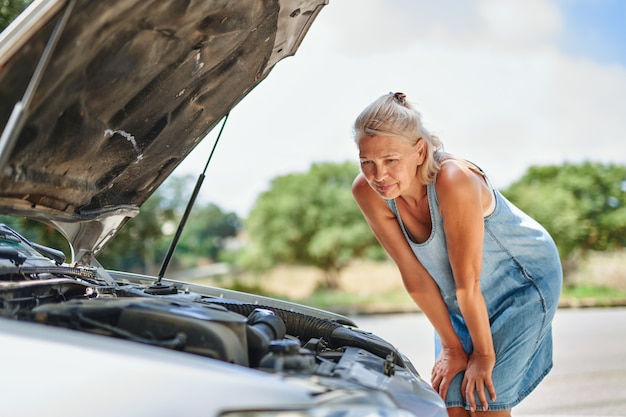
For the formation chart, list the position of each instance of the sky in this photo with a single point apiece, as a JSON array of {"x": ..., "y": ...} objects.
[{"x": 507, "y": 84}]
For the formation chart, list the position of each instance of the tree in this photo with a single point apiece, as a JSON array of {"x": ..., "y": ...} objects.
[
  {"x": 583, "y": 206},
  {"x": 310, "y": 219},
  {"x": 143, "y": 242},
  {"x": 9, "y": 9},
  {"x": 208, "y": 232}
]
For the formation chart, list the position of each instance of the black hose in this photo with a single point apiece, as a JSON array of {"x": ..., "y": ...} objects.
[{"x": 306, "y": 327}]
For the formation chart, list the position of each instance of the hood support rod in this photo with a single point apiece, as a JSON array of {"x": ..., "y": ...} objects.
[
  {"x": 20, "y": 112},
  {"x": 190, "y": 204}
]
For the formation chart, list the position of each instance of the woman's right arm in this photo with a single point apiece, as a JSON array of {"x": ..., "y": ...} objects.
[{"x": 417, "y": 281}]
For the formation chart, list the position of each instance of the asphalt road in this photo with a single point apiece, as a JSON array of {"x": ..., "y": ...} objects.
[{"x": 589, "y": 374}]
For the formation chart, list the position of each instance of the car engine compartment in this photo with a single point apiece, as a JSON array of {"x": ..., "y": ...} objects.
[
  {"x": 267, "y": 338},
  {"x": 38, "y": 289},
  {"x": 324, "y": 351}
]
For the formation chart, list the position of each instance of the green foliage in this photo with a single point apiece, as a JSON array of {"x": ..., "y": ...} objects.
[
  {"x": 593, "y": 291},
  {"x": 9, "y": 9},
  {"x": 143, "y": 242},
  {"x": 207, "y": 233},
  {"x": 309, "y": 219},
  {"x": 582, "y": 205}
]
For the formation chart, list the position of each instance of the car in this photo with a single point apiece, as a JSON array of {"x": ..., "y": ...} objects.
[{"x": 101, "y": 101}]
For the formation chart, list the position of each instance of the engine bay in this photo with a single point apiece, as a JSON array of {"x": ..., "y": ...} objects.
[
  {"x": 33, "y": 288},
  {"x": 325, "y": 351}
]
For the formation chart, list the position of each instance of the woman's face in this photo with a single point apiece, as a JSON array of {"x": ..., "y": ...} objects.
[{"x": 389, "y": 164}]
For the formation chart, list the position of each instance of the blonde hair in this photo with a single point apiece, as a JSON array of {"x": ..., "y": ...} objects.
[{"x": 393, "y": 115}]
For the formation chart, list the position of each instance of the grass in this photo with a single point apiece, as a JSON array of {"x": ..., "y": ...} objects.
[
  {"x": 590, "y": 295},
  {"x": 592, "y": 291}
]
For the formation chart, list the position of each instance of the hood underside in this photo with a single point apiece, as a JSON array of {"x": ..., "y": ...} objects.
[{"x": 129, "y": 89}]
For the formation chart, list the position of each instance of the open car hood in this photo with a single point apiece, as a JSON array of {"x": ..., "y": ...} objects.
[{"x": 128, "y": 90}]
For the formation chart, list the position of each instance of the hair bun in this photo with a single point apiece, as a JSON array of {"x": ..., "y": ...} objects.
[{"x": 400, "y": 98}]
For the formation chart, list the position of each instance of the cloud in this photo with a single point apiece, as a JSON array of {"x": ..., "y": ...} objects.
[
  {"x": 487, "y": 76},
  {"x": 371, "y": 27},
  {"x": 514, "y": 24}
]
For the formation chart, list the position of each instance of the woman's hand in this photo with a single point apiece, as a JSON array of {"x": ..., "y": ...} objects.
[
  {"x": 478, "y": 378},
  {"x": 450, "y": 362}
]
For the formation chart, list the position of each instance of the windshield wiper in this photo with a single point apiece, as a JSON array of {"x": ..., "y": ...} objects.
[
  {"x": 12, "y": 255},
  {"x": 18, "y": 258},
  {"x": 56, "y": 255}
]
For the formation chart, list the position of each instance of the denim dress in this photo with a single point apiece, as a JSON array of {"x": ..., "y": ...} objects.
[{"x": 520, "y": 280}]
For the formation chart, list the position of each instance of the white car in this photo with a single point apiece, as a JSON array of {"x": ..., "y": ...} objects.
[{"x": 101, "y": 100}]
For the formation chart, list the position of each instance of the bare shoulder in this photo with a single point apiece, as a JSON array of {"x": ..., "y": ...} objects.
[
  {"x": 460, "y": 184},
  {"x": 455, "y": 175},
  {"x": 370, "y": 203},
  {"x": 359, "y": 184},
  {"x": 362, "y": 191}
]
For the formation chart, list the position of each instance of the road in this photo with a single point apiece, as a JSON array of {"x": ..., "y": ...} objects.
[{"x": 589, "y": 374}]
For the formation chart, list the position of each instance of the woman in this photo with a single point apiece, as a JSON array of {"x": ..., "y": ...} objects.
[{"x": 486, "y": 275}]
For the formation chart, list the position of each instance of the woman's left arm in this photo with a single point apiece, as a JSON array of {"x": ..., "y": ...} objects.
[{"x": 461, "y": 203}]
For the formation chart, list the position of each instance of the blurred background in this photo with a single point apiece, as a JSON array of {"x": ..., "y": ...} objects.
[{"x": 534, "y": 92}]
